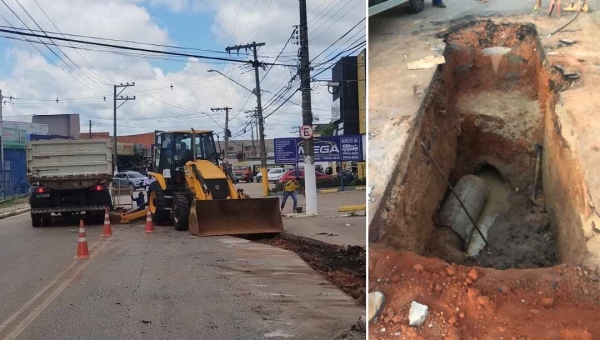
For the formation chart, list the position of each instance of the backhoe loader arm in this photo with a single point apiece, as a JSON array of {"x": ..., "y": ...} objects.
[{"x": 196, "y": 182}]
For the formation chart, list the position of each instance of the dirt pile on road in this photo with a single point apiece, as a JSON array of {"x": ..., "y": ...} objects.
[
  {"x": 561, "y": 302},
  {"x": 344, "y": 267}
]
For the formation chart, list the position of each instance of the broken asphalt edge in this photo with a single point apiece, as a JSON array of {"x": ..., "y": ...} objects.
[{"x": 14, "y": 213}]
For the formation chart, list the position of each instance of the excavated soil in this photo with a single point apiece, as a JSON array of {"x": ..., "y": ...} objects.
[
  {"x": 344, "y": 267},
  {"x": 562, "y": 302},
  {"x": 526, "y": 284}
]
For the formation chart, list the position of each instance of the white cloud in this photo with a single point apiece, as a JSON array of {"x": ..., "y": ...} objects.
[{"x": 157, "y": 106}]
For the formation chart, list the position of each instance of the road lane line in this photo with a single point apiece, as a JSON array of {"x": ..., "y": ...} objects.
[
  {"x": 41, "y": 307},
  {"x": 28, "y": 304}
]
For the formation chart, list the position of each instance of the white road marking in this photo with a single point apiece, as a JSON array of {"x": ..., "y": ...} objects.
[{"x": 40, "y": 308}]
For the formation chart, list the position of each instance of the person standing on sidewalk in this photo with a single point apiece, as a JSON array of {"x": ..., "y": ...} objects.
[{"x": 289, "y": 189}]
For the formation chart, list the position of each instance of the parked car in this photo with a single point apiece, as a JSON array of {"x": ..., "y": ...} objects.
[
  {"x": 243, "y": 173},
  {"x": 129, "y": 179},
  {"x": 274, "y": 174},
  {"x": 291, "y": 174}
]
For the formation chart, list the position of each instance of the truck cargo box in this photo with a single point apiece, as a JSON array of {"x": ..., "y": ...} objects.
[{"x": 60, "y": 160}]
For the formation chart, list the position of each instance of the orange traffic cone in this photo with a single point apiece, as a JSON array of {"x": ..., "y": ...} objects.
[
  {"x": 82, "y": 247},
  {"x": 107, "y": 228},
  {"x": 149, "y": 224}
]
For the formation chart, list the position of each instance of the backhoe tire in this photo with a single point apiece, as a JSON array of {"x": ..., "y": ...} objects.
[
  {"x": 161, "y": 215},
  {"x": 181, "y": 211},
  {"x": 416, "y": 6}
]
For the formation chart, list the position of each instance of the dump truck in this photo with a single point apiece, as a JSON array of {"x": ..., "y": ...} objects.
[
  {"x": 69, "y": 176},
  {"x": 195, "y": 192}
]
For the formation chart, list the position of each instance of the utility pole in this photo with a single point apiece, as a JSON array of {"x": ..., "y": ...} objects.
[
  {"x": 310, "y": 181},
  {"x": 227, "y": 132},
  {"x": 118, "y": 97},
  {"x": 90, "y": 135},
  {"x": 252, "y": 124},
  {"x": 259, "y": 114}
]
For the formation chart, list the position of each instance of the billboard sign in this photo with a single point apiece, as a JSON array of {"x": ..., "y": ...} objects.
[{"x": 326, "y": 149}]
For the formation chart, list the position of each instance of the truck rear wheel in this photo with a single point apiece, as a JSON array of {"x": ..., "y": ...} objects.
[
  {"x": 36, "y": 220},
  {"x": 47, "y": 220},
  {"x": 181, "y": 211},
  {"x": 157, "y": 204}
]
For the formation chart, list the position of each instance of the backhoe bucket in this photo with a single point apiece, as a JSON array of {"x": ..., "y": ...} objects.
[{"x": 235, "y": 217}]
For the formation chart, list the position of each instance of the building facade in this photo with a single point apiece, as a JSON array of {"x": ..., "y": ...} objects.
[{"x": 62, "y": 125}]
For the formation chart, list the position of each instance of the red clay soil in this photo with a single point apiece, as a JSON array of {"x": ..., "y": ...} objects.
[
  {"x": 561, "y": 302},
  {"x": 344, "y": 267}
]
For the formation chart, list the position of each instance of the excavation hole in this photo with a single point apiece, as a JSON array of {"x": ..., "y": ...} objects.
[{"x": 491, "y": 121}]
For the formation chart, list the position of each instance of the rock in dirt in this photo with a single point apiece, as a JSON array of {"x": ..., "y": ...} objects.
[
  {"x": 453, "y": 334},
  {"x": 361, "y": 324},
  {"x": 473, "y": 293},
  {"x": 417, "y": 314},
  {"x": 537, "y": 221},
  {"x": 418, "y": 267},
  {"x": 473, "y": 274},
  {"x": 547, "y": 302},
  {"x": 451, "y": 271},
  {"x": 483, "y": 300},
  {"x": 376, "y": 303}
]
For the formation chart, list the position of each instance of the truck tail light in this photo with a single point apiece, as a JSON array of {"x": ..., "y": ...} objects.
[
  {"x": 41, "y": 190},
  {"x": 97, "y": 187}
]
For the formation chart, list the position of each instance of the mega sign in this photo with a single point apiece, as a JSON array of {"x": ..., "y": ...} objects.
[{"x": 326, "y": 149}]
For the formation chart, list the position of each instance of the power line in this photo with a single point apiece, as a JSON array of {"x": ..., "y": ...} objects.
[
  {"x": 138, "y": 49},
  {"x": 81, "y": 55},
  {"x": 76, "y": 68},
  {"x": 340, "y": 38},
  {"x": 44, "y": 55}
]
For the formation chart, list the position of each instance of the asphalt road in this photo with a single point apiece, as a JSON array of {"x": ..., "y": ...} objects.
[{"x": 166, "y": 285}]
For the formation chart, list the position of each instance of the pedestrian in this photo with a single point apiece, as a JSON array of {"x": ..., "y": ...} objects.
[
  {"x": 289, "y": 189},
  {"x": 439, "y": 3},
  {"x": 140, "y": 201}
]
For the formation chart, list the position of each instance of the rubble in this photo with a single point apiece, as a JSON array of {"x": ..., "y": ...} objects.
[{"x": 418, "y": 314}]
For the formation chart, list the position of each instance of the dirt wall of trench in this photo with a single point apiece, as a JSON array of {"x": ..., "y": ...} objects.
[
  {"x": 406, "y": 219},
  {"x": 471, "y": 116},
  {"x": 567, "y": 196}
]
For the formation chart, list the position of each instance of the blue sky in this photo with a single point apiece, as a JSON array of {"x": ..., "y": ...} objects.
[{"x": 202, "y": 24}]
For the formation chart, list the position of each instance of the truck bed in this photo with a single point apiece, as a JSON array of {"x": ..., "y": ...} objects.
[{"x": 69, "y": 160}]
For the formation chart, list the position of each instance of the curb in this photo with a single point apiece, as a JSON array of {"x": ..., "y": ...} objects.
[
  {"x": 14, "y": 213},
  {"x": 360, "y": 188},
  {"x": 328, "y": 191},
  {"x": 350, "y": 208}
]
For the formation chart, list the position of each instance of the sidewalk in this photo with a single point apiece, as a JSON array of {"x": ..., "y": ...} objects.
[
  {"x": 329, "y": 225},
  {"x": 342, "y": 231}
]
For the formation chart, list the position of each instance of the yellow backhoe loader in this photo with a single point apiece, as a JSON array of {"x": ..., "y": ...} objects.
[{"x": 190, "y": 188}]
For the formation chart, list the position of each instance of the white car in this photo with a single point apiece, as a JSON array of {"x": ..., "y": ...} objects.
[{"x": 275, "y": 174}]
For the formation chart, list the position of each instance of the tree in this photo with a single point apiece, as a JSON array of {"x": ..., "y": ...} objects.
[{"x": 327, "y": 131}]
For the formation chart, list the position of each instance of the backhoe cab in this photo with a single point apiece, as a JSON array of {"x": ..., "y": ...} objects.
[{"x": 194, "y": 191}]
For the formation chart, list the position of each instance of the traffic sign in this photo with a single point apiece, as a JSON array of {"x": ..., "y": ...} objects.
[{"x": 306, "y": 132}]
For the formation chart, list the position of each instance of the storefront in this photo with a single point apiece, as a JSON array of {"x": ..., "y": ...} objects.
[
  {"x": 132, "y": 157},
  {"x": 13, "y": 180}
]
